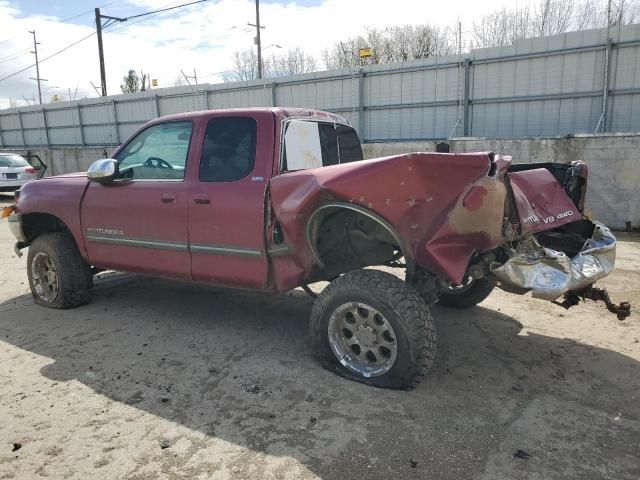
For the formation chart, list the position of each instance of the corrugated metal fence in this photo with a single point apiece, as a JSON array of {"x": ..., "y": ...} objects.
[{"x": 582, "y": 82}]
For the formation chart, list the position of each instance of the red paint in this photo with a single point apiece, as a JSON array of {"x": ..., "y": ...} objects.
[
  {"x": 541, "y": 202},
  {"x": 436, "y": 204},
  {"x": 474, "y": 199}
]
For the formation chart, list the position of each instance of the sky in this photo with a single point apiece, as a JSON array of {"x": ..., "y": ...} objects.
[{"x": 201, "y": 37}]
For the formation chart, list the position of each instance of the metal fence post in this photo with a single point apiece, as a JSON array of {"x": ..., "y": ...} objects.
[
  {"x": 274, "y": 102},
  {"x": 466, "y": 100},
  {"x": 115, "y": 120},
  {"x": 605, "y": 89},
  {"x": 157, "y": 104},
  {"x": 361, "y": 106},
  {"x": 205, "y": 92},
  {"x": 46, "y": 127},
  {"x": 24, "y": 144},
  {"x": 80, "y": 126}
]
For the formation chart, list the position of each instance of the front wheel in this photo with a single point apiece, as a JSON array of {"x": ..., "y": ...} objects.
[
  {"x": 372, "y": 327},
  {"x": 470, "y": 293},
  {"x": 58, "y": 276}
]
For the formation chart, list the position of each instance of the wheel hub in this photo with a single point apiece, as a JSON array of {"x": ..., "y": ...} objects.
[
  {"x": 45, "y": 277},
  {"x": 366, "y": 336},
  {"x": 362, "y": 339}
]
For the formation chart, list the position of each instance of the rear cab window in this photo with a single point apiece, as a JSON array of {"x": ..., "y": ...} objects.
[
  {"x": 314, "y": 144},
  {"x": 13, "y": 161}
]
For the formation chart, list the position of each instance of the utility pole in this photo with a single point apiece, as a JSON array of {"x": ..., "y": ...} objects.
[
  {"x": 99, "y": 27},
  {"x": 256, "y": 40},
  {"x": 103, "y": 76},
  {"x": 110, "y": 21},
  {"x": 37, "y": 78}
]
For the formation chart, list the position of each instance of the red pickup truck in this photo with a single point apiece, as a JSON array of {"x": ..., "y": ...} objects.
[{"x": 272, "y": 199}]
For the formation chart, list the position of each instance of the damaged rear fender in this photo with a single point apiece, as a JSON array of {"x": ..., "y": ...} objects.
[{"x": 342, "y": 236}]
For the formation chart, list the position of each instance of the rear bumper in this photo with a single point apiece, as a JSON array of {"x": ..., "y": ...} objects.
[
  {"x": 549, "y": 274},
  {"x": 7, "y": 185}
]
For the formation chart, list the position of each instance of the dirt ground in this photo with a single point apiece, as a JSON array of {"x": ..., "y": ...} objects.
[{"x": 162, "y": 380}]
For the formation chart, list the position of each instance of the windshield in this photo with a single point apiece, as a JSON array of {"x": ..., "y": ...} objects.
[
  {"x": 12, "y": 161},
  {"x": 311, "y": 144}
]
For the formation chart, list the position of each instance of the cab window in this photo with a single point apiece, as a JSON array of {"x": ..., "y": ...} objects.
[
  {"x": 312, "y": 144},
  {"x": 157, "y": 153},
  {"x": 229, "y": 149}
]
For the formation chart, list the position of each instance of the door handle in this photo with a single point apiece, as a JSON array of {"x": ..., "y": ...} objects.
[
  {"x": 201, "y": 200},
  {"x": 168, "y": 197}
]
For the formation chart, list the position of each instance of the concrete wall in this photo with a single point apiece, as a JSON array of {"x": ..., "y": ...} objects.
[
  {"x": 67, "y": 160},
  {"x": 613, "y": 161},
  {"x": 614, "y": 166}
]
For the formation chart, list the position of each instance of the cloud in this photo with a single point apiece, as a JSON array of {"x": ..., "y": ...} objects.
[{"x": 203, "y": 37}]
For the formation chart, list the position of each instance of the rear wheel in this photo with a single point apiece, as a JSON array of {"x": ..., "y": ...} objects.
[
  {"x": 374, "y": 328},
  {"x": 58, "y": 276},
  {"x": 471, "y": 292}
]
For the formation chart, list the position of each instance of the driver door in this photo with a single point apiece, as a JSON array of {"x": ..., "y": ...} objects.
[{"x": 138, "y": 222}]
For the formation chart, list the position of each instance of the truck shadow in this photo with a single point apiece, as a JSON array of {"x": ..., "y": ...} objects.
[{"x": 236, "y": 366}]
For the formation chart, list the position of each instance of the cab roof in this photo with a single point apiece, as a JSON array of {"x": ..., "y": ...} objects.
[{"x": 282, "y": 112}]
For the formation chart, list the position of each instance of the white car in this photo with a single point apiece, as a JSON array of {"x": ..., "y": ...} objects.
[{"x": 15, "y": 171}]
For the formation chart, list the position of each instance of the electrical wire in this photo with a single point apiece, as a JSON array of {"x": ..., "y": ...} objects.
[
  {"x": 151, "y": 14},
  {"x": 48, "y": 57},
  {"x": 14, "y": 55},
  {"x": 66, "y": 20}
]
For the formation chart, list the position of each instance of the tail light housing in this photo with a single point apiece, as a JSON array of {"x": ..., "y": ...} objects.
[{"x": 30, "y": 170}]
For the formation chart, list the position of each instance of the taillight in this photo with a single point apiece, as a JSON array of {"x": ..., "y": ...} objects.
[{"x": 30, "y": 170}]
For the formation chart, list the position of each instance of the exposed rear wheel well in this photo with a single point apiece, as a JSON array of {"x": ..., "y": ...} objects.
[{"x": 346, "y": 237}]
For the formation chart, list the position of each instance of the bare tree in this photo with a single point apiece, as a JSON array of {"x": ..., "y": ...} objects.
[
  {"x": 245, "y": 66},
  {"x": 624, "y": 12},
  {"x": 392, "y": 44},
  {"x": 550, "y": 17},
  {"x": 291, "y": 62}
]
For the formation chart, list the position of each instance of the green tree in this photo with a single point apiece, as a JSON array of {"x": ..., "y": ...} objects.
[{"x": 131, "y": 82}]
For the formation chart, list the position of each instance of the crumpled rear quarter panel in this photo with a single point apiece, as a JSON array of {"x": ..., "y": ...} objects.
[{"x": 444, "y": 207}]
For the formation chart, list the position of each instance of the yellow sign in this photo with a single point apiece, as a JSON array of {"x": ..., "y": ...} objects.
[
  {"x": 154, "y": 82},
  {"x": 365, "y": 52}
]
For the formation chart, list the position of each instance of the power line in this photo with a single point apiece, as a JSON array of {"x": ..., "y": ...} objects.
[
  {"x": 66, "y": 20},
  {"x": 50, "y": 56},
  {"x": 88, "y": 12},
  {"x": 164, "y": 9},
  {"x": 111, "y": 20},
  {"x": 157, "y": 12},
  {"x": 14, "y": 55}
]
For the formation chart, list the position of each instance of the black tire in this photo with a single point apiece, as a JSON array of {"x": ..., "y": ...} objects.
[
  {"x": 406, "y": 312},
  {"x": 467, "y": 296},
  {"x": 74, "y": 278}
]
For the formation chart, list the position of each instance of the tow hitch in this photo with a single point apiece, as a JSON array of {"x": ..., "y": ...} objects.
[{"x": 572, "y": 298}]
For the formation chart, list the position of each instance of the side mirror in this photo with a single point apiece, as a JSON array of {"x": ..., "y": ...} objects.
[{"x": 104, "y": 170}]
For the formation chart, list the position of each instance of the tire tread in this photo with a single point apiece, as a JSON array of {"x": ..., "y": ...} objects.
[{"x": 414, "y": 312}]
